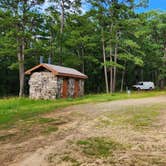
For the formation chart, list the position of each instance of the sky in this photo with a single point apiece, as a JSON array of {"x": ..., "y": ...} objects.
[{"x": 155, "y": 5}]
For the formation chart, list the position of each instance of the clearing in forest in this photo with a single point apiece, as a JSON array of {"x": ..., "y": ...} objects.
[{"x": 124, "y": 132}]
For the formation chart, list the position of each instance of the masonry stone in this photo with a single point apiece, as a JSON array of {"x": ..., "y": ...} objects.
[{"x": 45, "y": 85}]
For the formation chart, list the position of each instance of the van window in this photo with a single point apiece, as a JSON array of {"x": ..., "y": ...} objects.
[{"x": 140, "y": 83}]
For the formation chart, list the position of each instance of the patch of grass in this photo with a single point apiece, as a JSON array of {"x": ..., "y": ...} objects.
[
  {"x": 104, "y": 122},
  {"x": 137, "y": 117},
  {"x": 37, "y": 120},
  {"x": 33, "y": 127},
  {"x": 14, "y": 109},
  {"x": 53, "y": 121},
  {"x": 51, "y": 157},
  {"x": 99, "y": 146},
  {"x": 6, "y": 137},
  {"x": 67, "y": 158},
  {"x": 50, "y": 129},
  {"x": 45, "y": 120},
  {"x": 143, "y": 118}
]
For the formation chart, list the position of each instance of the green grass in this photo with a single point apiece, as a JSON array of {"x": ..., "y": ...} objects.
[
  {"x": 8, "y": 136},
  {"x": 143, "y": 117},
  {"x": 50, "y": 129},
  {"x": 31, "y": 127},
  {"x": 137, "y": 117},
  {"x": 46, "y": 120},
  {"x": 99, "y": 146},
  {"x": 70, "y": 159},
  {"x": 14, "y": 109}
]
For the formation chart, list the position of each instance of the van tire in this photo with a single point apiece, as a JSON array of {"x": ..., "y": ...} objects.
[{"x": 138, "y": 89}]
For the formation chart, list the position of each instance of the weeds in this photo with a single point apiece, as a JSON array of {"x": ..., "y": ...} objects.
[
  {"x": 137, "y": 117},
  {"x": 99, "y": 146}
]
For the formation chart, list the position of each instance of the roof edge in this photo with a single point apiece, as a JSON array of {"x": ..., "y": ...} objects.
[
  {"x": 72, "y": 75},
  {"x": 29, "y": 72}
]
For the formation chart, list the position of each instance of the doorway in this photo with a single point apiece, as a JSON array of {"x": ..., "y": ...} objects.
[
  {"x": 76, "y": 88},
  {"x": 65, "y": 88}
]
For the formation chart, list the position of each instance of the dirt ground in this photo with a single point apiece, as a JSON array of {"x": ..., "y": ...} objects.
[{"x": 142, "y": 147}]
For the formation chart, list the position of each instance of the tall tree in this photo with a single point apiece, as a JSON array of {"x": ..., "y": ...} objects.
[
  {"x": 113, "y": 13},
  {"x": 64, "y": 8},
  {"x": 22, "y": 20}
]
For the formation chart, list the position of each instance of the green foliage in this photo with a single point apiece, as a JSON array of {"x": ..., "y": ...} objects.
[
  {"x": 139, "y": 37},
  {"x": 131, "y": 44},
  {"x": 138, "y": 61},
  {"x": 113, "y": 64},
  {"x": 128, "y": 57}
]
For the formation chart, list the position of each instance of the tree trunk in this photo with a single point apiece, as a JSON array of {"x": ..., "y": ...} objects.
[
  {"x": 111, "y": 68},
  {"x": 61, "y": 31},
  {"x": 50, "y": 60},
  {"x": 142, "y": 74},
  {"x": 115, "y": 68},
  {"x": 163, "y": 80},
  {"x": 111, "y": 72},
  {"x": 105, "y": 67},
  {"x": 122, "y": 81},
  {"x": 156, "y": 78},
  {"x": 20, "y": 55},
  {"x": 162, "y": 83},
  {"x": 82, "y": 58}
]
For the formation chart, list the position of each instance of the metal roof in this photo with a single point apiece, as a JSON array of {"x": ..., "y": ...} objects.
[{"x": 58, "y": 70}]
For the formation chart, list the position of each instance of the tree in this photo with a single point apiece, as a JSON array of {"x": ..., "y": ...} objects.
[
  {"x": 110, "y": 42},
  {"x": 111, "y": 16},
  {"x": 63, "y": 8},
  {"x": 157, "y": 24},
  {"x": 21, "y": 24}
]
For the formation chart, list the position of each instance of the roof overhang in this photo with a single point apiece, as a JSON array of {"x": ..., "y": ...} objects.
[{"x": 30, "y": 71}]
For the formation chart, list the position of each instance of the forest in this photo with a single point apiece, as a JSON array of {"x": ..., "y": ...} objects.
[{"x": 108, "y": 40}]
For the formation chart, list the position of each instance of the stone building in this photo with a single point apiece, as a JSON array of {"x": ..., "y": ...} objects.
[{"x": 50, "y": 82}]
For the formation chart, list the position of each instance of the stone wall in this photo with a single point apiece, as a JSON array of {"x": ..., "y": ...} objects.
[
  {"x": 71, "y": 83},
  {"x": 70, "y": 90},
  {"x": 81, "y": 88},
  {"x": 59, "y": 87},
  {"x": 43, "y": 85}
]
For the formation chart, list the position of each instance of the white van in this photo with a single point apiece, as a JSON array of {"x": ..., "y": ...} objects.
[{"x": 144, "y": 86}]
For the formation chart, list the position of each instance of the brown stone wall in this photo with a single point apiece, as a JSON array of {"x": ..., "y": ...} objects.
[{"x": 43, "y": 85}]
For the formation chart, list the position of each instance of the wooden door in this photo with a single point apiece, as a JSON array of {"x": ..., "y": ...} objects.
[
  {"x": 76, "y": 88},
  {"x": 65, "y": 88}
]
